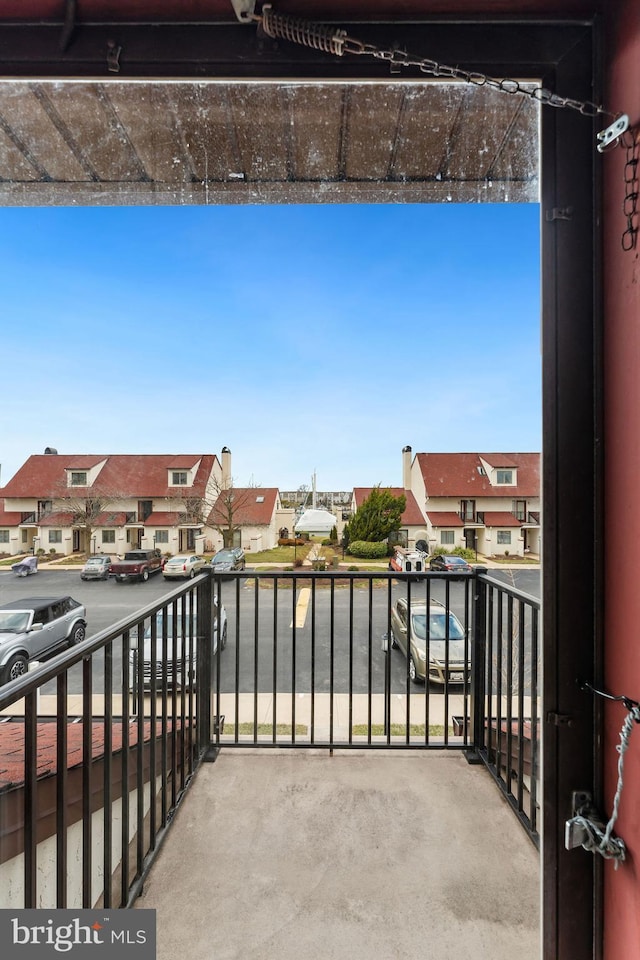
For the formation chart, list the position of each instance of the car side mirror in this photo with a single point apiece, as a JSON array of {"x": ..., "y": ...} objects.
[{"x": 35, "y": 627}]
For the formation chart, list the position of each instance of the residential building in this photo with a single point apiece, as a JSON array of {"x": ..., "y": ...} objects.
[
  {"x": 108, "y": 503},
  {"x": 249, "y": 513},
  {"x": 489, "y": 502}
]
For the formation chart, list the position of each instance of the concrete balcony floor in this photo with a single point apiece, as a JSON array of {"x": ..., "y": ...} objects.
[{"x": 276, "y": 855}]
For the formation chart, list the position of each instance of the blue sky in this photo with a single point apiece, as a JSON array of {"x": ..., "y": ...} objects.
[{"x": 304, "y": 338}]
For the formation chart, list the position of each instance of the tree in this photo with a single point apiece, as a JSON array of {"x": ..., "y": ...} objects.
[
  {"x": 377, "y": 516},
  {"x": 83, "y": 509},
  {"x": 228, "y": 512}
]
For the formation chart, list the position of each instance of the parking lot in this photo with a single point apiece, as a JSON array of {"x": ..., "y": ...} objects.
[{"x": 258, "y": 660}]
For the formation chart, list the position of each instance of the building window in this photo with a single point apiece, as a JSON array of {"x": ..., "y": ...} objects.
[
  {"x": 468, "y": 510},
  {"x": 161, "y": 536},
  {"x": 504, "y": 537},
  {"x": 447, "y": 537},
  {"x": 78, "y": 478},
  {"x": 108, "y": 536},
  {"x": 179, "y": 478},
  {"x": 4, "y": 536},
  {"x": 504, "y": 476},
  {"x": 519, "y": 509},
  {"x": 55, "y": 536}
]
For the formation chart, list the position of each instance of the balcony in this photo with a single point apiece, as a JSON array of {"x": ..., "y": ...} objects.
[{"x": 347, "y": 810}]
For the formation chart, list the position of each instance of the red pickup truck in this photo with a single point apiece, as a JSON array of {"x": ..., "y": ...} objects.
[{"x": 137, "y": 565}]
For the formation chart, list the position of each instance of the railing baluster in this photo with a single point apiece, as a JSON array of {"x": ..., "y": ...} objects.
[
  {"x": 313, "y": 661},
  {"x": 31, "y": 800},
  {"x": 274, "y": 685},
  {"x": 87, "y": 765},
  {"x": 61, "y": 789}
]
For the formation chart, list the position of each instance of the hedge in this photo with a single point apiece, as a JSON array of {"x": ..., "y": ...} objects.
[{"x": 368, "y": 550}]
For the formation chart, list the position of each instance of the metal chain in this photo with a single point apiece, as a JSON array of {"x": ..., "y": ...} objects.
[
  {"x": 631, "y": 142},
  {"x": 338, "y": 42}
]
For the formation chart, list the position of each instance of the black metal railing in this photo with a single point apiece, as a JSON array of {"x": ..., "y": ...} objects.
[
  {"x": 101, "y": 760},
  {"x": 322, "y": 660},
  {"x": 103, "y": 740},
  {"x": 507, "y": 728}
]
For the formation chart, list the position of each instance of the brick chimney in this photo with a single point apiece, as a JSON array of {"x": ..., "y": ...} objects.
[
  {"x": 226, "y": 468},
  {"x": 406, "y": 468}
]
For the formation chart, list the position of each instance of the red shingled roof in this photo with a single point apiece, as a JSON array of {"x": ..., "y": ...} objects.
[
  {"x": 249, "y": 509},
  {"x": 12, "y": 747},
  {"x": 161, "y": 518},
  {"x": 445, "y": 518},
  {"x": 457, "y": 474},
  {"x": 500, "y": 518},
  {"x": 123, "y": 475},
  {"x": 9, "y": 518},
  {"x": 412, "y": 516}
]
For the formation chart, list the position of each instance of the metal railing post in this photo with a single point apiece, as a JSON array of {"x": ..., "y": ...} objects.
[
  {"x": 204, "y": 662},
  {"x": 478, "y": 668}
]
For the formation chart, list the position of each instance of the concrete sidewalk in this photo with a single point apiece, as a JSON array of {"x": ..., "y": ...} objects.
[{"x": 281, "y": 856}]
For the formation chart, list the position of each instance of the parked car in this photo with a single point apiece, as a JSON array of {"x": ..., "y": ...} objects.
[
  {"x": 172, "y": 665},
  {"x": 440, "y": 637},
  {"x": 137, "y": 565},
  {"x": 96, "y": 568},
  {"x": 36, "y": 628},
  {"x": 450, "y": 564},
  {"x": 183, "y": 567},
  {"x": 230, "y": 558}
]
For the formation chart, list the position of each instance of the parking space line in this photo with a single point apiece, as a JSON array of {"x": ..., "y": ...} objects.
[{"x": 302, "y": 606}]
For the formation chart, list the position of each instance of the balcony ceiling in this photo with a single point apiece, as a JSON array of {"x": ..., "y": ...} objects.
[{"x": 73, "y": 132}]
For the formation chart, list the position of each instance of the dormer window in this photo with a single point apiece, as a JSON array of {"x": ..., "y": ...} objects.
[
  {"x": 179, "y": 478},
  {"x": 504, "y": 477},
  {"x": 78, "y": 478}
]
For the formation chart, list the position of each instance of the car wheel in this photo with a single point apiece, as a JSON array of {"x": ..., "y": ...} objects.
[
  {"x": 192, "y": 574},
  {"x": 144, "y": 576},
  {"x": 394, "y": 642},
  {"x": 78, "y": 634},
  {"x": 16, "y": 667},
  {"x": 224, "y": 637},
  {"x": 413, "y": 673}
]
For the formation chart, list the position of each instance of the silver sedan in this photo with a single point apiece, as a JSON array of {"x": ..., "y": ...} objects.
[{"x": 183, "y": 567}]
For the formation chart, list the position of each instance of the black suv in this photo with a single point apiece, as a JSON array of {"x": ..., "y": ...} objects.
[{"x": 35, "y": 629}]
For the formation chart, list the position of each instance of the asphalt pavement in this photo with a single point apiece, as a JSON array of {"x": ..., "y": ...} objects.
[{"x": 334, "y": 640}]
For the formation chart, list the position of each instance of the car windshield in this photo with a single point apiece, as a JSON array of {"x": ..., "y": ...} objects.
[
  {"x": 224, "y": 556},
  {"x": 96, "y": 562},
  {"x": 437, "y": 626},
  {"x": 178, "y": 560},
  {"x": 13, "y": 621},
  {"x": 455, "y": 560}
]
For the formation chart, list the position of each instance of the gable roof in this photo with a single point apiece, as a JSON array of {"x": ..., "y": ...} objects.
[
  {"x": 123, "y": 475},
  {"x": 462, "y": 475},
  {"x": 412, "y": 516},
  {"x": 254, "y": 506}
]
